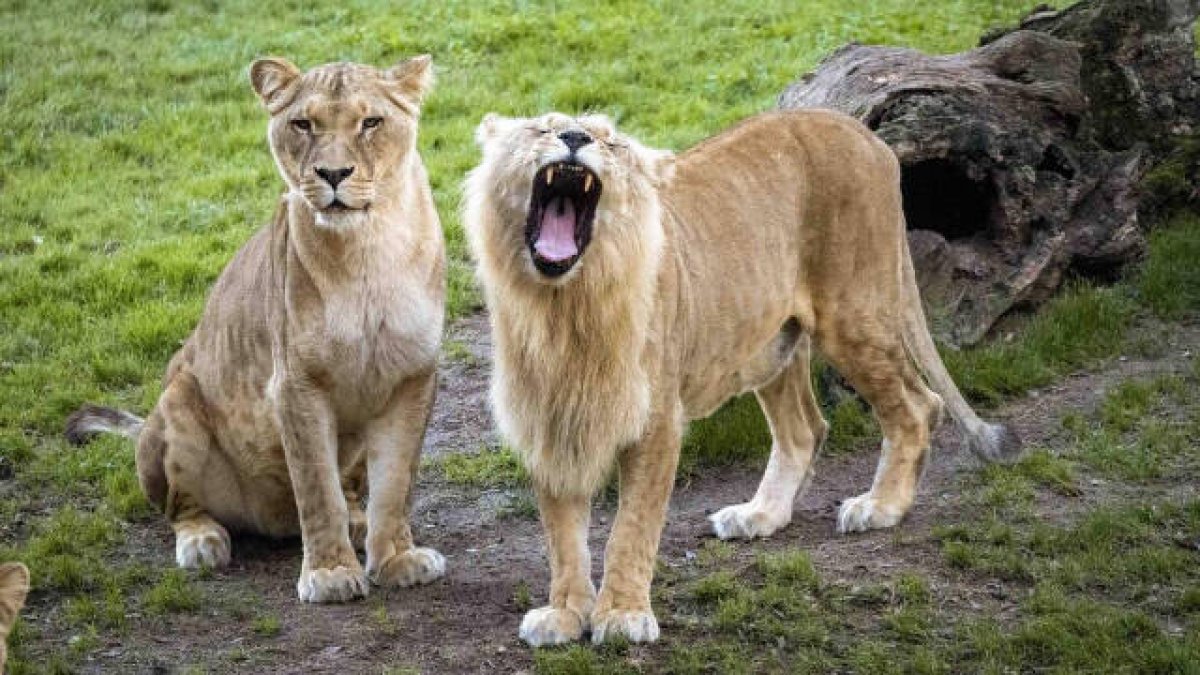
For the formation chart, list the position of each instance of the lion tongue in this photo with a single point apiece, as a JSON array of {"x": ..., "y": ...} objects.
[{"x": 556, "y": 238}]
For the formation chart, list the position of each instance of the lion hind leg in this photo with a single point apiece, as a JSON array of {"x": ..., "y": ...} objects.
[
  {"x": 871, "y": 356},
  {"x": 797, "y": 432},
  {"x": 193, "y": 474},
  {"x": 352, "y": 460}
]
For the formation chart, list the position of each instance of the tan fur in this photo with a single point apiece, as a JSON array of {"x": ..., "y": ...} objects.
[
  {"x": 14, "y": 586},
  {"x": 707, "y": 276},
  {"x": 314, "y": 363}
]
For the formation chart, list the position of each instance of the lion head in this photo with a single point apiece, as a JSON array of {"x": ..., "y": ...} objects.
[
  {"x": 558, "y": 193},
  {"x": 340, "y": 133}
]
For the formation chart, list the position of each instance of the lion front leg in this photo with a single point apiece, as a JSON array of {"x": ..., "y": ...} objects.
[
  {"x": 331, "y": 571},
  {"x": 572, "y": 595},
  {"x": 393, "y": 455},
  {"x": 647, "y": 477}
]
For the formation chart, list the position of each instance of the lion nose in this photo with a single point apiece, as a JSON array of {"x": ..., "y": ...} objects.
[
  {"x": 335, "y": 176},
  {"x": 574, "y": 139}
]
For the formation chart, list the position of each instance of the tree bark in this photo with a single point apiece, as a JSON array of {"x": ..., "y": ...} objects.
[{"x": 1021, "y": 160}]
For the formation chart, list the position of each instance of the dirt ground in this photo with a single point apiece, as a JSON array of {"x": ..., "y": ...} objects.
[{"x": 467, "y": 622}]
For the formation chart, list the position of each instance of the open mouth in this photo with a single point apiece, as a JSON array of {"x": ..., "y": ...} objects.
[{"x": 561, "y": 210}]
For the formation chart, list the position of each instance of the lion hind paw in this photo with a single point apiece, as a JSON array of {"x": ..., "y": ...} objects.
[
  {"x": 204, "y": 545},
  {"x": 865, "y": 512},
  {"x": 746, "y": 521}
]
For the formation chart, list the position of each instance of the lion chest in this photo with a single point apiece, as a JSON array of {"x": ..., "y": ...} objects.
[{"x": 362, "y": 342}]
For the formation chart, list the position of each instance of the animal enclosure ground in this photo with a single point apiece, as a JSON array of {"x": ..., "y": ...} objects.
[{"x": 133, "y": 164}]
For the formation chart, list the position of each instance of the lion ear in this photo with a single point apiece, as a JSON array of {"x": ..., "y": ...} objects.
[
  {"x": 491, "y": 126},
  {"x": 661, "y": 167},
  {"x": 271, "y": 79},
  {"x": 413, "y": 78}
]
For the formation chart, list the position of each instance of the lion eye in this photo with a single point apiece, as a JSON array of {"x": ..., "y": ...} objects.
[
  {"x": 371, "y": 122},
  {"x": 302, "y": 125}
]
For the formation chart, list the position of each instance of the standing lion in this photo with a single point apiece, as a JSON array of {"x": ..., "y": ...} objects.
[
  {"x": 630, "y": 292},
  {"x": 315, "y": 360}
]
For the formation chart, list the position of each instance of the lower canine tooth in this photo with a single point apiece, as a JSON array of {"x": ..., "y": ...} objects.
[
  {"x": 550, "y": 176},
  {"x": 587, "y": 183}
]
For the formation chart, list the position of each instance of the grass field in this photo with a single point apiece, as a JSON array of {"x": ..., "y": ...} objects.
[{"x": 133, "y": 164}]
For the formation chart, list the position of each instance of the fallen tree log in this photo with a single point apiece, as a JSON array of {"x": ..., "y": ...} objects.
[{"x": 1022, "y": 160}]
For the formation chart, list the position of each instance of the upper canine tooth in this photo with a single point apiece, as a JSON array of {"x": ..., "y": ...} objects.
[
  {"x": 550, "y": 176},
  {"x": 587, "y": 183}
]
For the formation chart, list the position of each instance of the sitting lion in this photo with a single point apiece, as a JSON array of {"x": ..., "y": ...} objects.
[
  {"x": 630, "y": 291},
  {"x": 315, "y": 360}
]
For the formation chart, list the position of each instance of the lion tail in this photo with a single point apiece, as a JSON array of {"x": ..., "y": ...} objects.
[
  {"x": 92, "y": 420},
  {"x": 990, "y": 442}
]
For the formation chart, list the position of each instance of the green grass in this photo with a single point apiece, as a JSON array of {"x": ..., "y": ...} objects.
[
  {"x": 65, "y": 551},
  {"x": 267, "y": 626},
  {"x": 1170, "y": 280},
  {"x": 1134, "y": 438},
  {"x": 173, "y": 593},
  {"x": 1082, "y": 325},
  {"x": 486, "y": 468},
  {"x": 1087, "y": 323}
]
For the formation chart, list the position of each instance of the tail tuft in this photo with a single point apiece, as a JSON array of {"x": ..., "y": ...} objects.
[
  {"x": 995, "y": 443},
  {"x": 92, "y": 420}
]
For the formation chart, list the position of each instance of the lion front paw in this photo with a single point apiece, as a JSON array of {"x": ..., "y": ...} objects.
[
  {"x": 634, "y": 625},
  {"x": 864, "y": 512},
  {"x": 201, "y": 545},
  {"x": 746, "y": 521},
  {"x": 414, "y": 566},
  {"x": 332, "y": 584},
  {"x": 551, "y": 626}
]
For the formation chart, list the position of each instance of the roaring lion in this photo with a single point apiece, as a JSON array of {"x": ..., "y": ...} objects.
[
  {"x": 314, "y": 362},
  {"x": 14, "y": 586},
  {"x": 631, "y": 291}
]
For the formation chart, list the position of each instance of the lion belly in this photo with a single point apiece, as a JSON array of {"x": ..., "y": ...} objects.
[{"x": 703, "y": 394}]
